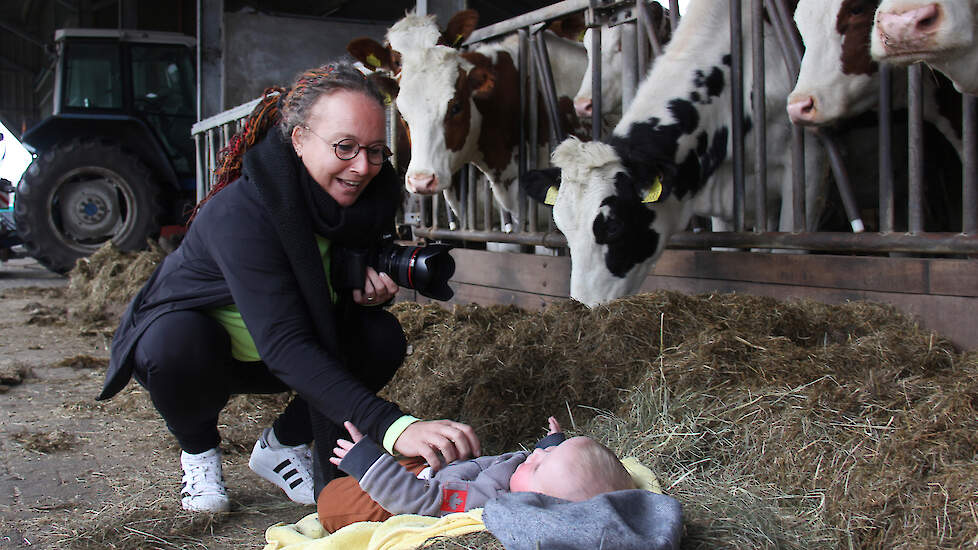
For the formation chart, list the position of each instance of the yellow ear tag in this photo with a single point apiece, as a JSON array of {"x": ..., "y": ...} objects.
[
  {"x": 458, "y": 40},
  {"x": 654, "y": 192},
  {"x": 551, "y": 196},
  {"x": 373, "y": 60},
  {"x": 388, "y": 100}
]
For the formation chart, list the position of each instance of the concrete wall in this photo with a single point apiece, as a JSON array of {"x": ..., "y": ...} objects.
[{"x": 262, "y": 50}]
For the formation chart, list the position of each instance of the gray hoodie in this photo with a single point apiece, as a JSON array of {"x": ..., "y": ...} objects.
[{"x": 457, "y": 487}]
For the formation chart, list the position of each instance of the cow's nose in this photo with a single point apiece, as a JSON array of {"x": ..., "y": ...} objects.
[
  {"x": 425, "y": 183},
  {"x": 802, "y": 111},
  {"x": 583, "y": 106},
  {"x": 908, "y": 25}
]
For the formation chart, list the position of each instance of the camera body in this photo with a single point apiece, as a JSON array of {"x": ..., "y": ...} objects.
[{"x": 425, "y": 269}]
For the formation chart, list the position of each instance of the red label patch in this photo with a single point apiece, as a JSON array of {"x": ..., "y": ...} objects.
[{"x": 453, "y": 500}]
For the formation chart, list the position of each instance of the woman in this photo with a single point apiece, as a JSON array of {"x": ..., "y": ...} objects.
[{"x": 246, "y": 304}]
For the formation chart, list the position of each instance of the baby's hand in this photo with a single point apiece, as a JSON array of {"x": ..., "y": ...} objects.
[
  {"x": 554, "y": 426},
  {"x": 343, "y": 446}
]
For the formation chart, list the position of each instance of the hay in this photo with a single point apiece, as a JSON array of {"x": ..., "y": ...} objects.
[
  {"x": 777, "y": 425},
  {"x": 14, "y": 374},
  {"x": 84, "y": 362},
  {"x": 45, "y": 442},
  {"x": 101, "y": 285}
]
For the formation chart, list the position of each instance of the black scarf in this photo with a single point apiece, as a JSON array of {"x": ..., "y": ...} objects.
[{"x": 300, "y": 208}]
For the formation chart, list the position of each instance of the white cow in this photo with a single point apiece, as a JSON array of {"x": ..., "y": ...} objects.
[
  {"x": 668, "y": 159},
  {"x": 464, "y": 107},
  {"x": 838, "y": 77},
  {"x": 942, "y": 33},
  {"x": 611, "y": 66}
]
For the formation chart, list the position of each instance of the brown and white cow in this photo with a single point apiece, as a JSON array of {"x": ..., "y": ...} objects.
[
  {"x": 620, "y": 200},
  {"x": 943, "y": 33},
  {"x": 838, "y": 77},
  {"x": 464, "y": 106}
]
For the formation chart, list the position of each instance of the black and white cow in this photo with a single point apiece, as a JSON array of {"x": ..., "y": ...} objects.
[
  {"x": 619, "y": 201},
  {"x": 943, "y": 33}
]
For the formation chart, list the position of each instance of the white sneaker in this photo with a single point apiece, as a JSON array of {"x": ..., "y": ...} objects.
[
  {"x": 288, "y": 467},
  {"x": 203, "y": 482}
]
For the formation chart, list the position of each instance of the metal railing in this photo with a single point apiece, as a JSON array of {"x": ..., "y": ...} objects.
[{"x": 432, "y": 219}]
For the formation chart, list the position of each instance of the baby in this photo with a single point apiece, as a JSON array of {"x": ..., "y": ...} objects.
[{"x": 575, "y": 469}]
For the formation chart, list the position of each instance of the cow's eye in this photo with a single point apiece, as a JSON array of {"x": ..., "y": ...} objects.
[
  {"x": 454, "y": 108},
  {"x": 857, "y": 10}
]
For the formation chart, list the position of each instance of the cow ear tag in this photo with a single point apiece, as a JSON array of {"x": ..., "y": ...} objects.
[
  {"x": 655, "y": 192},
  {"x": 551, "y": 198},
  {"x": 373, "y": 60}
]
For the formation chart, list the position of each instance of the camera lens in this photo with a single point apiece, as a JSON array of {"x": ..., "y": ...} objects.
[{"x": 426, "y": 269}]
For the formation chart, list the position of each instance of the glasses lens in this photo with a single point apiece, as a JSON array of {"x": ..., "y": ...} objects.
[
  {"x": 346, "y": 148},
  {"x": 378, "y": 154}
]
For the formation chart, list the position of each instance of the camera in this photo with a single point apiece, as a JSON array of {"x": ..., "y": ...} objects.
[{"x": 425, "y": 269}]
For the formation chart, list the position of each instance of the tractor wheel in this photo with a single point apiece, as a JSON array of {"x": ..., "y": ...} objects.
[{"x": 80, "y": 194}]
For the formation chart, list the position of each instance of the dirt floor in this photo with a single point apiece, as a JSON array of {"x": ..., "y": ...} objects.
[{"x": 63, "y": 456}]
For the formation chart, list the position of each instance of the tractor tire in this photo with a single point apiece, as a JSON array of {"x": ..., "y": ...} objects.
[{"x": 80, "y": 194}]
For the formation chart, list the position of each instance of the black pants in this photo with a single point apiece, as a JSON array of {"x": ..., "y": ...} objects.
[{"x": 184, "y": 361}]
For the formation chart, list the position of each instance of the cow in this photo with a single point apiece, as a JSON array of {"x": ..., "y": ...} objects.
[
  {"x": 838, "y": 77},
  {"x": 464, "y": 106},
  {"x": 611, "y": 68},
  {"x": 618, "y": 201},
  {"x": 942, "y": 33}
]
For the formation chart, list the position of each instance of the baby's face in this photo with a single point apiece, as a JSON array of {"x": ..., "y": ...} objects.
[{"x": 550, "y": 471}]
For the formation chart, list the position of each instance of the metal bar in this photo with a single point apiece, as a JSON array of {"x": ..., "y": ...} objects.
[
  {"x": 841, "y": 180},
  {"x": 211, "y": 160},
  {"x": 925, "y": 243},
  {"x": 629, "y": 63},
  {"x": 224, "y": 117},
  {"x": 674, "y": 14},
  {"x": 470, "y": 183},
  {"x": 886, "y": 206},
  {"x": 780, "y": 35},
  {"x": 759, "y": 115},
  {"x": 487, "y": 203},
  {"x": 533, "y": 138},
  {"x": 915, "y": 153},
  {"x": 523, "y": 60},
  {"x": 546, "y": 79},
  {"x": 199, "y": 168},
  {"x": 737, "y": 104},
  {"x": 792, "y": 40},
  {"x": 592, "y": 16},
  {"x": 798, "y": 177},
  {"x": 508, "y": 26},
  {"x": 969, "y": 182},
  {"x": 424, "y": 204},
  {"x": 642, "y": 40},
  {"x": 650, "y": 32}
]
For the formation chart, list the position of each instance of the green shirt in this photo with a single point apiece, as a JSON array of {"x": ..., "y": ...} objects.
[{"x": 242, "y": 345}]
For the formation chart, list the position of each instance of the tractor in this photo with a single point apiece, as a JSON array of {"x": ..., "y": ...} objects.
[{"x": 115, "y": 160}]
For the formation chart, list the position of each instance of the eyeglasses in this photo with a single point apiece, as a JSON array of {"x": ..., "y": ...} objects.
[{"x": 348, "y": 148}]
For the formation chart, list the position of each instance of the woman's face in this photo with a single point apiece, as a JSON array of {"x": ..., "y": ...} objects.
[{"x": 341, "y": 114}]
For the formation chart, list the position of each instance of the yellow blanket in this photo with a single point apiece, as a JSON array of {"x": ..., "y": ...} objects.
[{"x": 405, "y": 531}]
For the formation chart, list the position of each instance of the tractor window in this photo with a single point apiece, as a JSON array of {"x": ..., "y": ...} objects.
[
  {"x": 163, "y": 79},
  {"x": 92, "y": 78}
]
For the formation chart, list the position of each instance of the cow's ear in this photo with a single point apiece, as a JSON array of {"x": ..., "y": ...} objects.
[
  {"x": 571, "y": 26},
  {"x": 387, "y": 86},
  {"x": 371, "y": 53},
  {"x": 459, "y": 28},
  {"x": 542, "y": 185}
]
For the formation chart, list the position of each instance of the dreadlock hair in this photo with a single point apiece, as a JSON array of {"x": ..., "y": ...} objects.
[{"x": 288, "y": 108}]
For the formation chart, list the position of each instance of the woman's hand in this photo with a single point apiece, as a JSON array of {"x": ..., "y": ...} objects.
[
  {"x": 378, "y": 289},
  {"x": 437, "y": 440},
  {"x": 343, "y": 446},
  {"x": 554, "y": 426}
]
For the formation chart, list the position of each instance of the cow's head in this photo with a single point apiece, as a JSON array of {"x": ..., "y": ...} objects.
[
  {"x": 616, "y": 227},
  {"x": 907, "y": 31},
  {"x": 611, "y": 68},
  {"x": 438, "y": 89},
  {"x": 838, "y": 76}
]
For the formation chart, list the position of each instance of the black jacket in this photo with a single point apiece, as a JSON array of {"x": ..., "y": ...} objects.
[{"x": 234, "y": 253}]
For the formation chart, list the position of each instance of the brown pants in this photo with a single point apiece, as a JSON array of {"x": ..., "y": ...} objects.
[{"x": 342, "y": 501}]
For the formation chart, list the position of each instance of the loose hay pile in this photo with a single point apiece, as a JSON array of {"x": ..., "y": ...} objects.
[
  {"x": 777, "y": 425},
  {"x": 101, "y": 285}
]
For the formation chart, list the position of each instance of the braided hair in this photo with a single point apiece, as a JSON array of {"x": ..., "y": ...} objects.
[{"x": 288, "y": 108}]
